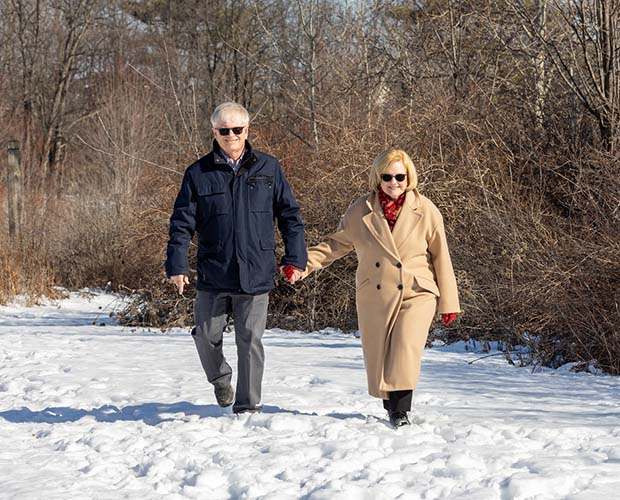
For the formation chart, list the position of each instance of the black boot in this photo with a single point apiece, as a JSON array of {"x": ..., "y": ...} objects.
[
  {"x": 397, "y": 406},
  {"x": 225, "y": 394},
  {"x": 398, "y": 418}
]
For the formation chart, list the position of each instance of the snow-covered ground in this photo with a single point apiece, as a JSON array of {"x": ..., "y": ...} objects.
[{"x": 106, "y": 412}]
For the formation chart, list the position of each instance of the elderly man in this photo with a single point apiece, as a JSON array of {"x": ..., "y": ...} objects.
[{"x": 231, "y": 197}]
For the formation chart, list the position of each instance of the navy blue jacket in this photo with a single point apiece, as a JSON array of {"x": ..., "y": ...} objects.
[{"x": 233, "y": 216}]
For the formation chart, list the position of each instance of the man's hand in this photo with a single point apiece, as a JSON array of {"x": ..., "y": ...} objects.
[
  {"x": 291, "y": 272},
  {"x": 448, "y": 318},
  {"x": 180, "y": 280}
]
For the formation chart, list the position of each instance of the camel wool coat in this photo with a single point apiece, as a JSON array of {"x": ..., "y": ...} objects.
[{"x": 402, "y": 278}]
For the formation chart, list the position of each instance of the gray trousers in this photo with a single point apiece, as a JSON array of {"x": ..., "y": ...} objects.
[{"x": 249, "y": 313}]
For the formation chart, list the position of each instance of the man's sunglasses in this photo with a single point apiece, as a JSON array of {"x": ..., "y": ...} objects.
[
  {"x": 389, "y": 177},
  {"x": 226, "y": 131}
]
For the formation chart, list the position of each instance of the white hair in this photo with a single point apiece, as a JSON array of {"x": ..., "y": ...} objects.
[{"x": 227, "y": 110}]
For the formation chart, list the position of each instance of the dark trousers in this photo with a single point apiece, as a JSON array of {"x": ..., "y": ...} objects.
[
  {"x": 249, "y": 313},
  {"x": 399, "y": 401}
]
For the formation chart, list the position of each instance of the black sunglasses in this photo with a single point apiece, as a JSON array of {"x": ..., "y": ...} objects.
[
  {"x": 226, "y": 130},
  {"x": 398, "y": 177}
]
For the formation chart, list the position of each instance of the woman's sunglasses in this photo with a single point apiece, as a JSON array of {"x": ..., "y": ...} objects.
[
  {"x": 389, "y": 177},
  {"x": 226, "y": 131}
]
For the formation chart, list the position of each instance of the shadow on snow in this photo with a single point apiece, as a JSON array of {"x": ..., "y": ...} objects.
[{"x": 149, "y": 413}]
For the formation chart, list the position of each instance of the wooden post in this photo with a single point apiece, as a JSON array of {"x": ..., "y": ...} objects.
[{"x": 14, "y": 185}]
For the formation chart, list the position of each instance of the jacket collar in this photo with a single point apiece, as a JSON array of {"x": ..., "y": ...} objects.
[
  {"x": 409, "y": 217},
  {"x": 248, "y": 159},
  {"x": 376, "y": 223},
  {"x": 393, "y": 241}
]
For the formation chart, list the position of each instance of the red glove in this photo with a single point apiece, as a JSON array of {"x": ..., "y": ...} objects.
[
  {"x": 288, "y": 271},
  {"x": 448, "y": 318}
]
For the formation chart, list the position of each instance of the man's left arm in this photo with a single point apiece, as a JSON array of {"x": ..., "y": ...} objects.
[{"x": 288, "y": 216}]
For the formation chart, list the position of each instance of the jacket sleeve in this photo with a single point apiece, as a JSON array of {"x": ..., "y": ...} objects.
[
  {"x": 182, "y": 227},
  {"x": 333, "y": 247},
  {"x": 444, "y": 274},
  {"x": 288, "y": 216}
]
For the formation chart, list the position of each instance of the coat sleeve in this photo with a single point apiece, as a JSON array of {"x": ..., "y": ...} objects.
[
  {"x": 290, "y": 224},
  {"x": 446, "y": 281},
  {"x": 182, "y": 227},
  {"x": 333, "y": 247}
]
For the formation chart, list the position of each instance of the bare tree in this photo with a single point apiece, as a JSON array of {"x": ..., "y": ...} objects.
[
  {"x": 584, "y": 52},
  {"x": 309, "y": 41},
  {"x": 49, "y": 38},
  {"x": 540, "y": 62},
  {"x": 24, "y": 21},
  {"x": 76, "y": 17}
]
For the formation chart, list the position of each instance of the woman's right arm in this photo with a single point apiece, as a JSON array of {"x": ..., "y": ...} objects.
[{"x": 333, "y": 247}]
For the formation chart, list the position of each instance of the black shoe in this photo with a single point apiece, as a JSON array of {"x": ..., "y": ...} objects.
[
  {"x": 224, "y": 394},
  {"x": 257, "y": 409},
  {"x": 398, "y": 418}
]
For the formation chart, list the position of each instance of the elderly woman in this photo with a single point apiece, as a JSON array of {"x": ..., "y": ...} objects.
[{"x": 404, "y": 275}]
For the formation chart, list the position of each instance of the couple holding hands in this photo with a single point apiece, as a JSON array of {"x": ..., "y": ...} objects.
[{"x": 231, "y": 198}]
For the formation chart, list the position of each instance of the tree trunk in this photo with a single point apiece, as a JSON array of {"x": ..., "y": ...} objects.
[
  {"x": 539, "y": 63},
  {"x": 14, "y": 186}
]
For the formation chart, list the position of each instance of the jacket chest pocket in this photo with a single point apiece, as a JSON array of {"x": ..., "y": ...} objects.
[
  {"x": 212, "y": 199},
  {"x": 260, "y": 193}
]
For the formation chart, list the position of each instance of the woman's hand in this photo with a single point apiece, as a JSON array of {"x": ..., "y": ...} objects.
[
  {"x": 291, "y": 273},
  {"x": 448, "y": 318}
]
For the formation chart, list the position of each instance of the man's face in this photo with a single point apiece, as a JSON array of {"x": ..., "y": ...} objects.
[{"x": 231, "y": 143}]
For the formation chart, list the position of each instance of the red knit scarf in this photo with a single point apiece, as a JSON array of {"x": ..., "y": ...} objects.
[{"x": 391, "y": 208}]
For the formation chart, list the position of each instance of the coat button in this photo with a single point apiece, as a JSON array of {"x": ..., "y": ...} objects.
[
  {"x": 377, "y": 264},
  {"x": 400, "y": 287},
  {"x": 399, "y": 265},
  {"x": 378, "y": 287}
]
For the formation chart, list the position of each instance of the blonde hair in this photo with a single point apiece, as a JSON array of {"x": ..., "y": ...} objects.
[
  {"x": 227, "y": 110},
  {"x": 383, "y": 161}
]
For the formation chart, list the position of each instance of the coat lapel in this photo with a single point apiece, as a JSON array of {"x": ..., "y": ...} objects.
[
  {"x": 378, "y": 226},
  {"x": 407, "y": 220}
]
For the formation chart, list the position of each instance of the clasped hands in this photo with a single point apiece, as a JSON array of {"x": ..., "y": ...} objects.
[{"x": 291, "y": 273}]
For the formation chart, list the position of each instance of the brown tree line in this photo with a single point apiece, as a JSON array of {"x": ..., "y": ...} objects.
[{"x": 509, "y": 109}]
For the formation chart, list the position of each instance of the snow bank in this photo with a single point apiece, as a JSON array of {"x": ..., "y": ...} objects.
[{"x": 105, "y": 412}]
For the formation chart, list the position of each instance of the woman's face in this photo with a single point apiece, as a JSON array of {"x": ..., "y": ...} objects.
[{"x": 392, "y": 187}]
